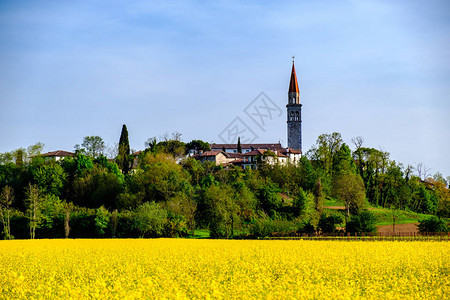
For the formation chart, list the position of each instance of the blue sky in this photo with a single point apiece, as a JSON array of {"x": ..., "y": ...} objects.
[{"x": 376, "y": 69}]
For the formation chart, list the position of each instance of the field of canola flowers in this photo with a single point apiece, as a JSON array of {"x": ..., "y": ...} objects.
[{"x": 222, "y": 269}]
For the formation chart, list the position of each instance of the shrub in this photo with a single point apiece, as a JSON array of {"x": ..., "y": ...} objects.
[
  {"x": 283, "y": 227},
  {"x": 261, "y": 227},
  {"x": 82, "y": 223},
  {"x": 432, "y": 224},
  {"x": 265, "y": 226},
  {"x": 102, "y": 217},
  {"x": 306, "y": 227},
  {"x": 300, "y": 202},
  {"x": 268, "y": 198},
  {"x": 362, "y": 222},
  {"x": 150, "y": 219},
  {"x": 328, "y": 223},
  {"x": 176, "y": 226}
]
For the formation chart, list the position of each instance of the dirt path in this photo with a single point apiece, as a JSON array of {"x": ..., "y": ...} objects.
[
  {"x": 399, "y": 228},
  {"x": 343, "y": 207}
]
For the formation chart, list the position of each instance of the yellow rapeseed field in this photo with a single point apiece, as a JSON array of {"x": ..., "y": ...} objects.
[{"x": 221, "y": 269}]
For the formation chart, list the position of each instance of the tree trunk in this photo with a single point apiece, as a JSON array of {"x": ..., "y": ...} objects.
[{"x": 66, "y": 223}]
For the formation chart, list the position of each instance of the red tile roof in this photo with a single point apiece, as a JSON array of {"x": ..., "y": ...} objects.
[
  {"x": 293, "y": 151},
  {"x": 262, "y": 151},
  {"x": 234, "y": 155},
  {"x": 210, "y": 153},
  {"x": 60, "y": 153},
  {"x": 247, "y": 146},
  {"x": 237, "y": 161},
  {"x": 255, "y": 152}
]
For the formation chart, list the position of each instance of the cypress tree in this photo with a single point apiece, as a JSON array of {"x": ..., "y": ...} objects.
[
  {"x": 239, "y": 148},
  {"x": 123, "y": 159}
]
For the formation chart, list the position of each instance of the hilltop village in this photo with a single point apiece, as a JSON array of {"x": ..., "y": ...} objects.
[
  {"x": 173, "y": 188},
  {"x": 242, "y": 155}
]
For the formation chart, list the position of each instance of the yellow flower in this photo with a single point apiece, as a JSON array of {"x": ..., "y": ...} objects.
[{"x": 222, "y": 269}]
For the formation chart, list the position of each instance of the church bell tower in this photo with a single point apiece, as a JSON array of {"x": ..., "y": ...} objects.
[{"x": 294, "y": 113}]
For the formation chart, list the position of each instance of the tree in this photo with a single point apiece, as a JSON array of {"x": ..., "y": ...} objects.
[
  {"x": 328, "y": 223},
  {"x": 150, "y": 219},
  {"x": 299, "y": 204},
  {"x": 319, "y": 197},
  {"x": 112, "y": 152},
  {"x": 35, "y": 150},
  {"x": 160, "y": 177},
  {"x": 197, "y": 146},
  {"x": 83, "y": 164},
  {"x": 7, "y": 157},
  {"x": 68, "y": 207},
  {"x": 123, "y": 159},
  {"x": 239, "y": 148},
  {"x": 102, "y": 217},
  {"x": 6, "y": 201},
  {"x": 150, "y": 144},
  {"x": 438, "y": 177},
  {"x": 308, "y": 176},
  {"x": 182, "y": 205},
  {"x": 94, "y": 145},
  {"x": 19, "y": 156},
  {"x": 395, "y": 215},
  {"x": 49, "y": 177},
  {"x": 350, "y": 189},
  {"x": 362, "y": 222},
  {"x": 443, "y": 194},
  {"x": 323, "y": 156},
  {"x": 423, "y": 171},
  {"x": 268, "y": 198},
  {"x": 343, "y": 161},
  {"x": 195, "y": 168},
  {"x": 245, "y": 200},
  {"x": 432, "y": 224},
  {"x": 34, "y": 202},
  {"x": 220, "y": 209},
  {"x": 174, "y": 147}
]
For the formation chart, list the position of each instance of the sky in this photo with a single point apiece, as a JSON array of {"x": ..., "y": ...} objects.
[{"x": 375, "y": 69}]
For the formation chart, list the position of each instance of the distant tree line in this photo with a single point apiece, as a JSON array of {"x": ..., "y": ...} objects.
[{"x": 162, "y": 193}]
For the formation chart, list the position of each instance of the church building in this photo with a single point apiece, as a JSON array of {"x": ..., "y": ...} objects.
[{"x": 249, "y": 154}]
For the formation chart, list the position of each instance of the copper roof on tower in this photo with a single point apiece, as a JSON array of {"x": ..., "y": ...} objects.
[{"x": 293, "y": 85}]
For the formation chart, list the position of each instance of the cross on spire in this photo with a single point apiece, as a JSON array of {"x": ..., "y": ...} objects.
[{"x": 293, "y": 57}]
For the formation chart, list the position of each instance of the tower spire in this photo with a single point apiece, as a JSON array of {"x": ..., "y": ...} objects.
[
  {"x": 293, "y": 85},
  {"x": 294, "y": 113}
]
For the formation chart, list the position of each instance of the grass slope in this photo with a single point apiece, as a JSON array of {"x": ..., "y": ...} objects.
[{"x": 383, "y": 215}]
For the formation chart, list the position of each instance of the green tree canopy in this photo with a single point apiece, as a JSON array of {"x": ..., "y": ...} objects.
[
  {"x": 197, "y": 146},
  {"x": 94, "y": 145},
  {"x": 350, "y": 189}
]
